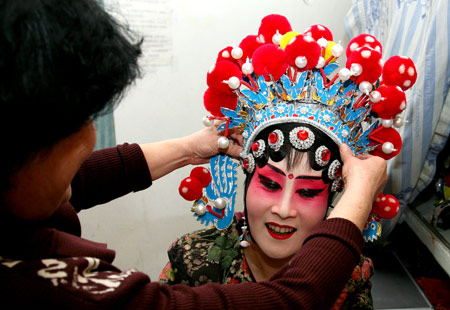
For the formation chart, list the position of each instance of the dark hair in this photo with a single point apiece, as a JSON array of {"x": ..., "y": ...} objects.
[
  {"x": 62, "y": 62},
  {"x": 293, "y": 156}
]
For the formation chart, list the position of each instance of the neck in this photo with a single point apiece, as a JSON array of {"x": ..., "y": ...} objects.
[{"x": 262, "y": 266}]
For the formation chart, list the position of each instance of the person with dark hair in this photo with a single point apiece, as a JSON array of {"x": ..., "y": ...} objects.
[
  {"x": 286, "y": 197},
  {"x": 64, "y": 62},
  {"x": 296, "y": 121}
]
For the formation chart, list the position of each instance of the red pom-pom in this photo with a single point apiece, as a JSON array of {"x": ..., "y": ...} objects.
[
  {"x": 376, "y": 204},
  {"x": 191, "y": 189},
  {"x": 225, "y": 54},
  {"x": 363, "y": 40},
  {"x": 319, "y": 31},
  {"x": 248, "y": 45},
  {"x": 389, "y": 140},
  {"x": 393, "y": 102},
  {"x": 270, "y": 25},
  {"x": 221, "y": 72},
  {"x": 370, "y": 62},
  {"x": 269, "y": 59},
  {"x": 213, "y": 101},
  {"x": 387, "y": 206},
  {"x": 401, "y": 71},
  {"x": 303, "y": 46},
  {"x": 202, "y": 174}
]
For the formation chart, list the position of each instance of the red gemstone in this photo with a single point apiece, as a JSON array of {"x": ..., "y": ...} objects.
[
  {"x": 255, "y": 146},
  {"x": 245, "y": 163},
  {"x": 326, "y": 155},
  {"x": 302, "y": 135},
  {"x": 338, "y": 171},
  {"x": 273, "y": 137}
]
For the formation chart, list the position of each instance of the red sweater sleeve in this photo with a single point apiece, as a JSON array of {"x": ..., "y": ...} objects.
[
  {"x": 108, "y": 174},
  {"x": 312, "y": 280}
]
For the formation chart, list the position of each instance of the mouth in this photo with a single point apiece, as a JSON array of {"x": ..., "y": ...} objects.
[{"x": 280, "y": 232}]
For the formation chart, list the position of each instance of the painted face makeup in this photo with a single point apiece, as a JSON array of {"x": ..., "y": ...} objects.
[{"x": 284, "y": 206}]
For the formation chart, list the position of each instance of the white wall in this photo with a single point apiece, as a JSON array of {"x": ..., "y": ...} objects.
[{"x": 167, "y": 103}]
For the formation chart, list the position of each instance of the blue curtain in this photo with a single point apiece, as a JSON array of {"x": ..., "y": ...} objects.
[
  {"x": 105, "y": 125},
  {"x": 420, "y": 30}
]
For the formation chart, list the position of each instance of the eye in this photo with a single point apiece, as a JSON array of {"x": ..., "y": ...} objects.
[
  {"x": 269, "y": 183},
  {"x": 309, "y": 193}
]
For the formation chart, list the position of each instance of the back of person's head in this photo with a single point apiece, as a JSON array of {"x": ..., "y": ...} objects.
[{"x": 62, "y": 62}]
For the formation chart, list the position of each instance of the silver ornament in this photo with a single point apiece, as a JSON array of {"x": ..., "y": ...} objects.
[
  {"x": 244, "y": 244},
  {"x": 247, "y": 68},
  {"x": 344, "y": 74},
  {"x": 234, "y": 82},
  {"x": 237, "y": 53},
  {"x": 220, "y": 203},
  {"x": 398, "y": 122},
  {"x": 388, "y": 148},
  {"x": 207, "y": 121},
  {"x": 387, "y": 123},
  {"x": 320, "y": 63},
  {"x": 200, "y": 209},
  {"x": 301, "y": 62},
  {"x": 223, "y": 142},
  {"x": 375, "y": 96},
  {"x": 356, "y": 69},
  {"x": 276, "y": 39},
  {"x": 365, "y": 87},
  {"x": 337, "y": 50}
]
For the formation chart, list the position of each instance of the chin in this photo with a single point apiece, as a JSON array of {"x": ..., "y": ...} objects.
[{"x": 280, "y": 251}]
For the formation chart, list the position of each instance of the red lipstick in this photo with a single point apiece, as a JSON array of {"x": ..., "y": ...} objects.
[{"x": 279, "y": 235}]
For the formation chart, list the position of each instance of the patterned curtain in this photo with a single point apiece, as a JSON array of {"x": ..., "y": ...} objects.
[
  {"x": 418, "y": 29},
  {"x": 105, "y": 125}
]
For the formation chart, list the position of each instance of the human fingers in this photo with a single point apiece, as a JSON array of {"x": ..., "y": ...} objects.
[
  {"x": 234, "y": 150},
  {"x": 237, "y": 138},
  {"x": 346, "y": 153}
]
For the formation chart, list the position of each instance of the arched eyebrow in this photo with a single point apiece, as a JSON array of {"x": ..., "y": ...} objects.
[
  {"x": 276, "y": 169},
  {"x": 309, "y": 177}
]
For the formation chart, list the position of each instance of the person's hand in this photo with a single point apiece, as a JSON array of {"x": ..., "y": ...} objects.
[
  {"x": 202, "y": 144},
  {"x": 365, "y": 173},
  {"x": 364, "y": 177}
]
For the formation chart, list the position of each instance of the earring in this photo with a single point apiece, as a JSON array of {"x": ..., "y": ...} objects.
[{"x": 244, "y": 236}]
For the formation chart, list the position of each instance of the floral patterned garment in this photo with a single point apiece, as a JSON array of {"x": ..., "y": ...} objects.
[{"x": 211, "y": 255}]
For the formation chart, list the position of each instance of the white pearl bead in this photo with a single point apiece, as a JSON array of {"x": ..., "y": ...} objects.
[
  {"x": 375, "y": 96},
  {"x": 207, "y": 121},
  {"x": 320, "y": 63},
  {"x": 387, "y": 147},
  {"x": 398, "y": 122},
  {"x": 244, "y": 244},
  {"x": 344, "y": 74},
  {"x": 237, "y": 53},
  {"x": 301, "y": 62},
  {"x": 365, "y": 87},
  {"x": 223, "y": 142},
  {"x": 322, "y": 42},
  {"x": 234, "y": 82},
  {"x": 356, "y": 69},
  {"x": 337, "y": 50},
  {"x": 200, "y": 209},
  {"x": 247, "y": 68},
  {"x": 220, "y": 203},
  {"x": 387, "y": 123},
  {"x": 276, "y": 39}
]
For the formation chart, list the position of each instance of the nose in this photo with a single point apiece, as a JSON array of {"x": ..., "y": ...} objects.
[{"x": 283, "y": 207}]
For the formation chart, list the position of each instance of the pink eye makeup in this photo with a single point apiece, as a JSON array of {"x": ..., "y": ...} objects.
[
  {"x": 309, "y": 192},
  {"x": 268, "y": 183}
]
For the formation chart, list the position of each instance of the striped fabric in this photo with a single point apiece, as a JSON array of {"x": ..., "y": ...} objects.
[{"x": 420, "y": 30}]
